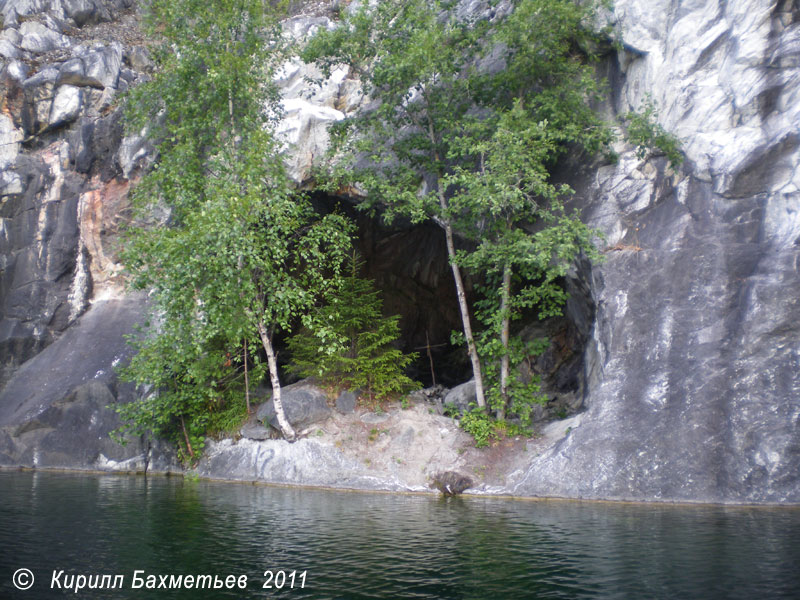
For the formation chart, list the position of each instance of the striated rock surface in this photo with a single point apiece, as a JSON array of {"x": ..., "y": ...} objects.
[
  {"x": 303, "y": 404},
  {"x": 693, "y": 387},
  {"x": 306, "y": 462},
  {"x": 55, "y": 412},
  {"x": 64, "y": 179},
  {"x": 64, "y": 171}
]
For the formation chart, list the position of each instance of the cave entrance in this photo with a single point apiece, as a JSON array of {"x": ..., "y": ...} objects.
[{"x": 408, "y": 265}]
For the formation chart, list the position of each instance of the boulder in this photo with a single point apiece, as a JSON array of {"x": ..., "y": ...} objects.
[
  {"x": 8, "y": 50},
  {"x": 38, "y": 39},
  {"x": 80, "y": 11},
  {"x": 451, "y": 483},
  {"x": 16, "y": 71},
  {"x": 254, "y": 431},
  {"x": 73, "y": 72},
  {"x": 461, "y": 396},
  {"x": 66, "y": 105},
  {"x": 346, "y": 402},
  {"x": 103, "y": 65},
  {"x": 372, "y": 418},
  {"x": 303, "y": 404},
  {"x": 133, "y": 153}
]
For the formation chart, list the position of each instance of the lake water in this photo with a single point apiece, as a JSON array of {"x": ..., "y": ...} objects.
[{"x": 358, "y": 545}]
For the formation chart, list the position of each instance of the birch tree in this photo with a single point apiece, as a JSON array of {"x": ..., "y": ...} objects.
[
  {"x": 413, "y": 57},
  {"x": 240, "y": 256},
  {"x": 468, "y": 116}
]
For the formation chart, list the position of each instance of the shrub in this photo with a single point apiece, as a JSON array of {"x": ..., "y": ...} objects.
[
  {"x": 479, "y": 425},
  {"x": 646, "y": 133},
  {"x": 348, "y": 342}
]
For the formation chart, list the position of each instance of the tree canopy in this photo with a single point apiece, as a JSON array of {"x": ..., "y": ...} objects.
[
  {"x": 469, "y": 114},
  {"x": 241, "y": 254}
]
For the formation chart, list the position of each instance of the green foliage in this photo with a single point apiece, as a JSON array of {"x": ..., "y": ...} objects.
[
  {"x": 547, "y": 46},
  {"x": 471, "y": 148},
  {"x": 511, "y": 191},
  {"x": 228, "y": 417},
  {"x": 240, "y": 254},
  {"x": 646, "y": 133},
  {"x": 214, "y": 79},
  {"x": 450, "y": 410},
  {"x": 521, "y": 395},
  {"x": 480, "y": 426},
  {"x": 412, "y": 61},
  {"x": 236, "y": 262},
  {"x": 347, "y": 341}
]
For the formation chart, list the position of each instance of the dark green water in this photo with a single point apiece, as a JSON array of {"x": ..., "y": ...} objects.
[{"x": 355, "y": 545}]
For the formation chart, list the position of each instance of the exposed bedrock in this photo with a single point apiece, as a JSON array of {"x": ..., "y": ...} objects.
[
  {"x": 65, "y": 173},
  {"x": 693, "y": 379},
  {"x": 57, "y": 409},
  {"x": 693, "y": 390},
  {"x": 64, "y": 168}
]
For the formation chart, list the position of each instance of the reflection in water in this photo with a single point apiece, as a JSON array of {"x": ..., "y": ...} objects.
[{"x": 356, "y": 545}]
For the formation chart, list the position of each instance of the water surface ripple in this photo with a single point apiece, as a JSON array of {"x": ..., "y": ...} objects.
[{"x": 355, "y": 545}]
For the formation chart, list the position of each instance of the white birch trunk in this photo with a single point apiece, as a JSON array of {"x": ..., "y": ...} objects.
[
  {"x": 462, "y": 296},
  {"x": 286, "y": 427},
  {"x": 462, "y": 305},
  {"x": 505, "y": 296}
]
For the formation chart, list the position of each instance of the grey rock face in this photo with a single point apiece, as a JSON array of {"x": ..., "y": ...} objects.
[
  {"x": 38, "y": 254},
  {"x": 696, "y": 390},
  {"x": 309, "y": 110},
  {"x": 303, "y": 404},
  {"x": 693, "y": 388},
  {"x": 724, "y": 76},
  {"x": 65, "y": 420},
  {"x": 346, "y": 402},
  {"x": 306, "y": 462},
  {"x": 60, "y": 193},
  {"x": 462, "y": 396},
  {"x": 61, "y": 180}
]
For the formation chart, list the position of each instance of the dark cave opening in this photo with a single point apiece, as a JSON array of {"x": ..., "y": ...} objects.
[{"x": 408, "y": 265}]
